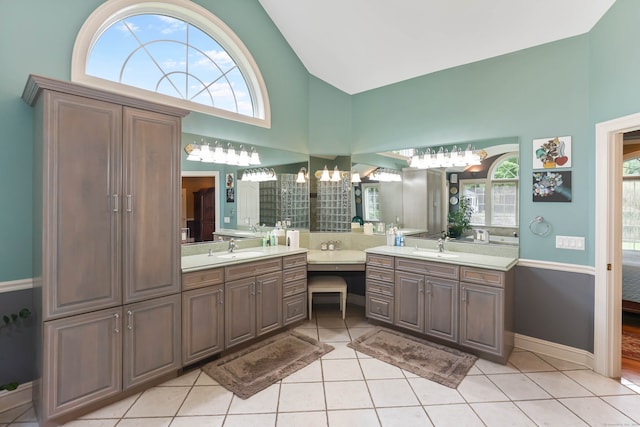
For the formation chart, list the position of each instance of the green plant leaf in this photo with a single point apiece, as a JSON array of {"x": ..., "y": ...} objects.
[{"x": 9, "y": 386}]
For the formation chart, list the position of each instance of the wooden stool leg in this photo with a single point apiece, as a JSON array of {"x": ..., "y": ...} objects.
[
  {"x": 343, "y": 303},
  {"x": 310, "y": 308}
]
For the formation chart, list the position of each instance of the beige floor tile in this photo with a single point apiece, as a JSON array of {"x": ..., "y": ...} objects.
[
  {"x": 265, "y": 401},
  {"x": 478, "y": 388},
  {"x": 596, "y": 412},
  {"x": 347, "y": 395},
  {"x": 341, "y": 370},
  {"x": 356, "y": 333},
  {"x": 145, "y": 422},
  {"x": 115, "y": 410},
  {"x": 333, "y": 335},
  {"x": 453, "y": 415},
  {"x": 558, "y": 385},
  {"x": 331, "y": 322},
  {"x": 204, "y": 379},
  {"x": 309, "y": 332},
  {"x": 502, "y": 414},
  {"x": 374, "y": 369},
  {"x": 187, "y": 379},
  {"x": 302, "y": 419},
  {"x": 90, "y": 423},
  {"x": 353, "y": 418},
  {"x": 158, "y": 402},
  {"x": 549, "y": 413},
  {"x": 403, "y": 417},
  {"x": 629, "y": 405},
  {"x": 487, "y": 367},
  {"x": 526, "y": 361},
  {"x": 357, "y": 322},
  {"x": 307, "y": 324},
  {"x": 561, "y": 365},
  {"x": 253, "y": 420},
  {"x": 432, "y": 393},
  {"x": 340, "y": 351},
  {"x": 199, "y": 421},
  {"x": 597, "y": 384},
  {"x": 299, "y": 397},
  {"x": 206, "y": 400},
  {"x": 310, "y": 373},
  {"x": 518, "y": 387},
  {"x": 388, "y": 393}
]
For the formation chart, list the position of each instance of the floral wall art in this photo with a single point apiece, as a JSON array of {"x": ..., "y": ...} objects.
[{"x": 553, "y": 182}]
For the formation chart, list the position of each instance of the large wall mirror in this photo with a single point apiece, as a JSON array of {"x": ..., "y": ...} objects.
[
  {"x": 419, "y": 200},
  {"x": 215, "y": 197}
]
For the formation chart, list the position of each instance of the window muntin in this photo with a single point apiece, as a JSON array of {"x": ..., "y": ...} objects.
[
  {"x": 173, "y": 52},
  {"x": 371, "y": 202},
  {"x": 495, "y": 199}
]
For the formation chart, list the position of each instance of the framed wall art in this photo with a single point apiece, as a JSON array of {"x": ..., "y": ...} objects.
[
  {"x": 552, "y": 186},
  {"x": 552, "y": 153}
]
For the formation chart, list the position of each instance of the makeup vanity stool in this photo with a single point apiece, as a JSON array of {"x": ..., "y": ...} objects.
[{"x": 326, "y": 284}]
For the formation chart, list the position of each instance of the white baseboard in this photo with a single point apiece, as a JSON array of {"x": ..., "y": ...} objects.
[
  {"x": 15, "y": 398},
  {"x": 559, "y": 351}
]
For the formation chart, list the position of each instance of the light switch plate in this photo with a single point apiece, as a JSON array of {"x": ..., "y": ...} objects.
[
  {"x": 575, "y": 243},
  {"x": 227, "y": 220}
]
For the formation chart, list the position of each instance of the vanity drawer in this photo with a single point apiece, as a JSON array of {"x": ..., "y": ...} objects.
[
  {"x": 294, "y": 308},
  {"x": 448, "y": 271},
  {"x": 384, "y": 261},
  {"x": 294, "y": 274},
  {"x": 248, "y": 269},
  {"x": 293, "y": 288},
  {"x": 380, "y": 287},
  {"x": 379, "y": 307},
  {"x": 298, "y": 260},
  {"x": 200, "y": 279},
  {"x": 482, "y": 276},
  {"x": 383, "y": 274}
]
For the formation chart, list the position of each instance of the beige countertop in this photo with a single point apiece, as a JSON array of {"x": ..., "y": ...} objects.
[
  {"x": 224, "y": 258},
  {"x": 340, "y": 256},
  {"x": 469, "y": 259}
]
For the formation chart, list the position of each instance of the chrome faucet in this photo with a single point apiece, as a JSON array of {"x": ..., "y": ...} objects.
[
  {"x": 232, "y": 245},
  {"x": 440, "y": 245}
]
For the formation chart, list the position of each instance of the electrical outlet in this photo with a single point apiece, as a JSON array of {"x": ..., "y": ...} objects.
[
  {"x": 570, "y": 242},
  {"x": 227, "y": 220}
]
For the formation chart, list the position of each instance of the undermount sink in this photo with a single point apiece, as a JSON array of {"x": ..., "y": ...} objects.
[
  {"x": 435, "y": 254},
  {"x": 241, "y": 255}
]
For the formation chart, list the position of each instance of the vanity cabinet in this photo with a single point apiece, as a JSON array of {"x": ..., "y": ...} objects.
[
  {"x": 427, "y": 303},
  {"x": 379, "y": 302},
  {"x": 486, "y": 319},
  {"x": 202, "y": 314},
  {"x": 467, "y": 307},
  {"x": 106, "y": 189},
  {"x": 253, "y": 300},
  {"x": 294, "y": 288}
]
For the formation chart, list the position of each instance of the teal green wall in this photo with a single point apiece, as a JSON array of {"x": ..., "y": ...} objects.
[{"x": 561, "y": 88}]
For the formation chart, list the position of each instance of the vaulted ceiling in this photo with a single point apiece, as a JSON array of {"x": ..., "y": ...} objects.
[{"x": 358, "y": 45}]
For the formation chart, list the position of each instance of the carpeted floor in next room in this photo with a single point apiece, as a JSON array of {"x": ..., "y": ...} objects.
[{"x": 347, "y": 388}]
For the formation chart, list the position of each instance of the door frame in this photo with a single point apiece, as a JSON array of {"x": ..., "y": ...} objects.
[
  {"x": 608, "y": 250},
  {"x": 216, "y": 175}
]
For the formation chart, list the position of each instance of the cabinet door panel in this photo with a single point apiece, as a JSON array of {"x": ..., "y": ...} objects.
[
  {"x": 80, "y": 222},
  {"x": 240, "y": 311},
  {"x": 294, "y": 308},
  {"x": 481, "y": 317},
  {"x": 269, "y": 302},
  {"x": 379, "y": 307},
  {"x": 202, "y": 323},
  {"x": 441, "y": 309},
  {"x": 409, "y": 301},
  {"x": 82, "y": 360},
  {"x": 152, "y": 339},
  {"x": 151, "y": 201}
]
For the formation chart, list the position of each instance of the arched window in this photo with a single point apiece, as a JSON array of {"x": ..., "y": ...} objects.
[
  {"x": 495, "y": 199},
  {"x": 174, "y": 52}
]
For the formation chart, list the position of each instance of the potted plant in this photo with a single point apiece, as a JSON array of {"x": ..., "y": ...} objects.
[
  {"x": 460, "y": 219},
  {"x": 9, "y": 321}
]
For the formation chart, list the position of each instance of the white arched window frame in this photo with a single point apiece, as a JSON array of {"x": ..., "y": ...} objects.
[
  {"x": 114, "y": 10},
  {"x": 485, "y": 197}
]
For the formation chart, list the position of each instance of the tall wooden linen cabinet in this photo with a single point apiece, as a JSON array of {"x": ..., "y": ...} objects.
[{"x": 106, "y": 248}]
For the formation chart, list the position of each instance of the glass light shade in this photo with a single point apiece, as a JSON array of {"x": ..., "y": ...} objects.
[
  {"x": 335, "y": 177},
  {"x": 255, "y": 157},
  {"x": 355, "y": 177},
  {"x": 232, "y": 157},
  {"x": 325, "y": 174}
]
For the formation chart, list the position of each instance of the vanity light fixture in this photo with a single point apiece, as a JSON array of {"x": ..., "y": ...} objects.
[
  {"x": 443, "y": 158},
  {"x": 385, "y": 175},
  {"x": 302, "y": 176},
  {"x": 325, "y": 174},
  {"x": 206, "y": 153},
  {"x": 355, "y": 177},
  {"x": 335, "y": 176},
  {"x": 259, "y": 175}
]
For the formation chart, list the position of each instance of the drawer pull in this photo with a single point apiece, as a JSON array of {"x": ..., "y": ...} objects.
[{"x": 116, "y": 316}]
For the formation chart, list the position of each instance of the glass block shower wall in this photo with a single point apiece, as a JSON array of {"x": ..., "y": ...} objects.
[
  {"x": 284, "y": 198},
  {"x": 334, "y": 205}
]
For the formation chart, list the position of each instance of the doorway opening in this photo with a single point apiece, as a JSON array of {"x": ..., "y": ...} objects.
[{"x": 200, "y": 212}]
